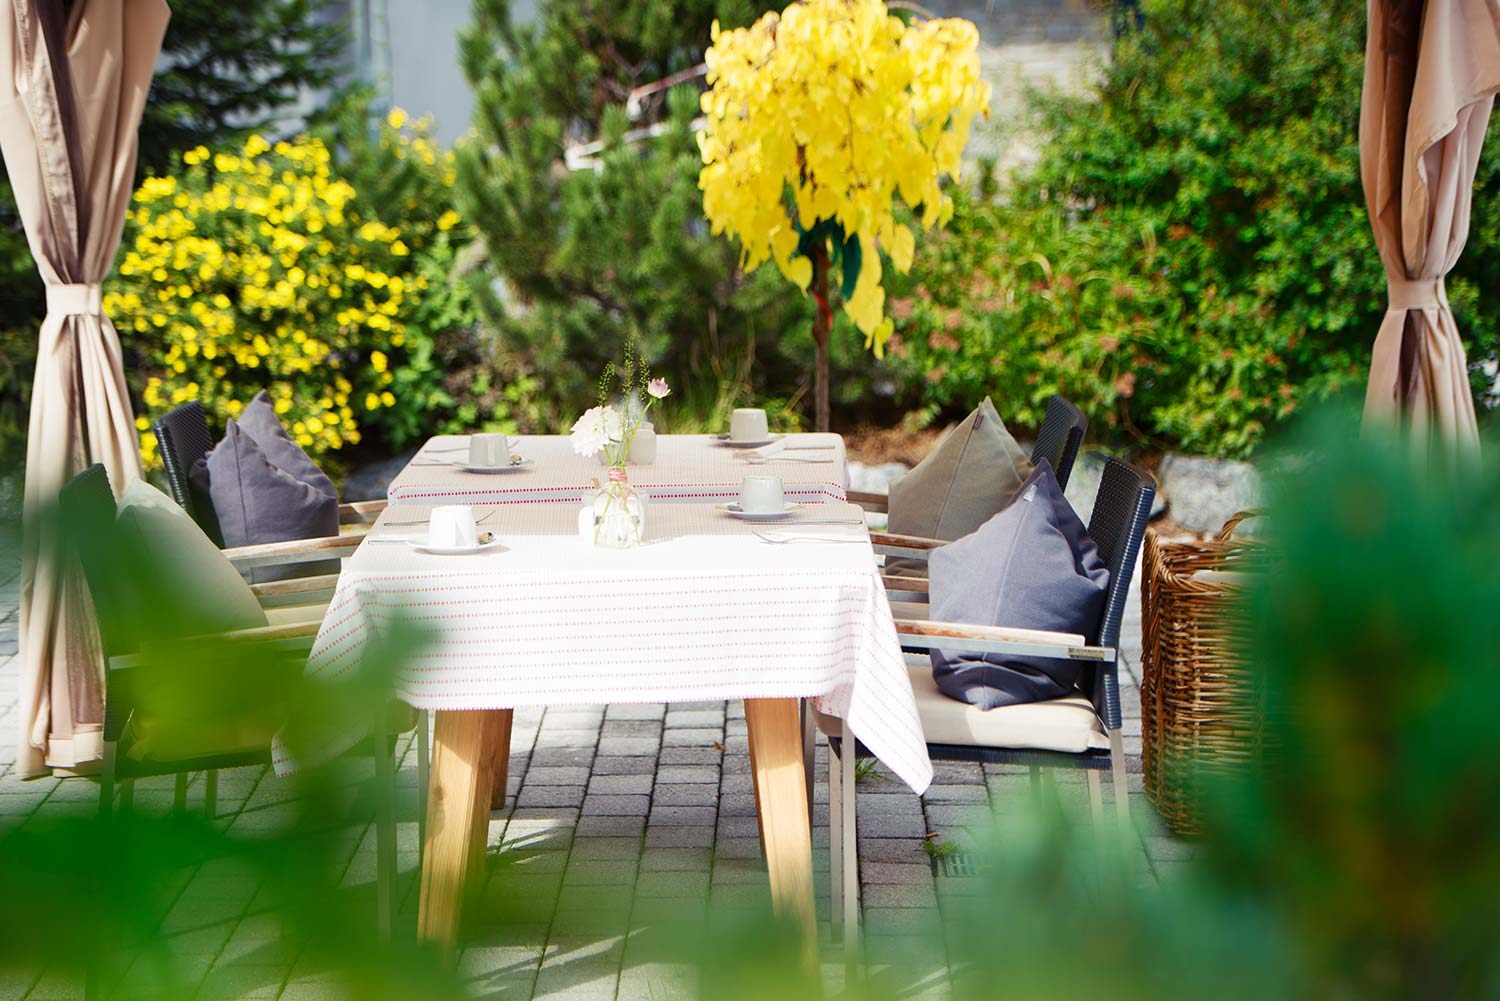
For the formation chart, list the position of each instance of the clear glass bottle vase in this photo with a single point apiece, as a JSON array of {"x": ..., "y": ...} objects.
[{"x": 619, "y": 513}]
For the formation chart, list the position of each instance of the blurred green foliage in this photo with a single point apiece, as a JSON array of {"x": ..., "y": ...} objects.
[
  {"x": 1189, "y": 260},
  {"x": 1357, "y": 859}
]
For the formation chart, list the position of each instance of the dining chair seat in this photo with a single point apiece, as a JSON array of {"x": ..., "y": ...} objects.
[{"x": 1066, "y": 725}]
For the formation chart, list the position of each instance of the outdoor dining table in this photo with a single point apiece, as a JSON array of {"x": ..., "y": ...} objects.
[{"x": 704, "y": 610}]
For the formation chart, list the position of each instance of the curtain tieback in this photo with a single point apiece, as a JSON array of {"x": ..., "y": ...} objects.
[
  {"x": 1422, "y": 293},
  {"x": 75, "y": 300}
]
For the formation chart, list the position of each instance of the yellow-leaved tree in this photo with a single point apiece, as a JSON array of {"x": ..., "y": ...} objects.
[{"x": 820, "y": 118}]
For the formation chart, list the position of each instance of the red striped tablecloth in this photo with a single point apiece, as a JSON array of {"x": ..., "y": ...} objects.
[
  {"x": 691, "y": 467},
  {"x": 704, "y": 610}
]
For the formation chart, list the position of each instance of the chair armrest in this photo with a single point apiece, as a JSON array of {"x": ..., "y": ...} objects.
[
  {"x": 297, "y": 591},
  {"x": 360, "y": 512},
  {"x": 292, "y": 636},
  {"x": 905, "y": 588},
  {"x": 296, "y": 551},
  {"x": 924, "y": 634},
  {"x": 911, "y": 547},
  {"x": 878, "y": 503}
]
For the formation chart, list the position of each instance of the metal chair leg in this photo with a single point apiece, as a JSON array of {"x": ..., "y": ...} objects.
[
  {"x": 1122, "y": 788},
  {"x": 107, "y": 781},
  {"x": 849, "y": 854},
  {"x": 179, "y": 794},
  {"x": 127, "y": 795},
  {"x": 835, "y": 840},
  {"x": 385, "y": 836},
  {"x": 1096, "y": 798},
  {"x": 211, "y": 793},
  {"x": 850, "y": 851}
]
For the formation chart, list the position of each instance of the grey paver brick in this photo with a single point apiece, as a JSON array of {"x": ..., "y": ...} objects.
[{"x": 617, "y": 806}]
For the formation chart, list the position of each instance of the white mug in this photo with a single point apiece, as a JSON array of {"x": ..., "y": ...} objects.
[
  {"x": 748, "y": 424},
  {"x": 489, "y": 450},
  {"x": 452, "y": 526},
  {"x": 762, "y": 495}
]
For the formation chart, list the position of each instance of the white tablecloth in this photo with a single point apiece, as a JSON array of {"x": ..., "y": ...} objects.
[
  {"x": 704, "y": 610},
  {"x": 692, "y": 467}
]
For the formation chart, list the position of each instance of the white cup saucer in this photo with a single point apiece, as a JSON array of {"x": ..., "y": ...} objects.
[
  {"x": 728, "y": 442},
  {"x": 481, "y": 547},
  {"x": 734, "y": 510}
]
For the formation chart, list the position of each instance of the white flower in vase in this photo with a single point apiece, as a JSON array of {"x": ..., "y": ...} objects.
[{"x": 596, "y": 430}]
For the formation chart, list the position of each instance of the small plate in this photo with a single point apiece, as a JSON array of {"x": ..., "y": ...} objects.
[
  {"x": 729, "y": 442},
  {"x": 422, "y": 547},
  {"x": 733, "y": 510},
  {"x": 507, "y": 468}
]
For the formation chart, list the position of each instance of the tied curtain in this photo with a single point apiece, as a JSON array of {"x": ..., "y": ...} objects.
[
  {"x": 75, "y": 81},
  {"x": 1432, "y": 68}
]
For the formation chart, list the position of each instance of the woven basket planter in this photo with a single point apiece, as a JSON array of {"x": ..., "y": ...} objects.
[{"x": 1201, "y": 716}]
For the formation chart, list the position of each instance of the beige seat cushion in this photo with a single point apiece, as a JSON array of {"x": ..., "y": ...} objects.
[{"x": 1069, "y": 725}]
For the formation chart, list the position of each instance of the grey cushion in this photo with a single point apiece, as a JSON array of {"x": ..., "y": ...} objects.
[
  {"x": 1032, "y": 566},
  {"x": 257, "y": 502},
  {"x": 260, "y": 422},
  {"x": 971, "y": 474},
  {"x": 195, "y": 590}
]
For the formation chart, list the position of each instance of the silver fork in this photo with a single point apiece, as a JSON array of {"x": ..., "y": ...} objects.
[
  {"x": 761, "y": 460},
  {"x": 806, "y": 538}
]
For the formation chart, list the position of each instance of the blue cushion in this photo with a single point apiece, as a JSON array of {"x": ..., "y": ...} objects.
[{"x": 1030, "y": 566}]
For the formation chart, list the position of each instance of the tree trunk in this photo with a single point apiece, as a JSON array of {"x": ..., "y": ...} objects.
[{"x": 822, "y": 328}]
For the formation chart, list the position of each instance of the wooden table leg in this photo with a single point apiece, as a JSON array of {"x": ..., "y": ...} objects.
[
  {"x": 775, "y": 730},
  {"x": 457, "y": 816},
  {"x": 500, "y": 763}
]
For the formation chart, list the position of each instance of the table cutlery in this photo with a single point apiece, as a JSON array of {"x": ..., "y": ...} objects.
[
  {"x": 423, "y": 521},
  {"x": 785, "y": 537},
  {"x": 761, "y": 460},
  {"x": 484, "y": 538}
]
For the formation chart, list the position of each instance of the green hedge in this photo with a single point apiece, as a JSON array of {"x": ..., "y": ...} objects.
[{"x": 1190, "y": 259}]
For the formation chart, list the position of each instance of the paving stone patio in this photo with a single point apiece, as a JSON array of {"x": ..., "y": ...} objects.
[{"x": 630, "y": 811}]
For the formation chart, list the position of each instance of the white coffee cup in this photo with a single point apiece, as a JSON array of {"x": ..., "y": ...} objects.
[
  {"x": 762, "y": 495},
  {"x": 452, "y": 526},
  {"x": 748, "y": 424},
  {"x": 489, "y": 450}
]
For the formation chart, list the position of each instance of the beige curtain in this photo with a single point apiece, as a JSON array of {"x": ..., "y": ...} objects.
[
  {"x": 1431, "y": 72},
  {"x": 74, "y": 85}
]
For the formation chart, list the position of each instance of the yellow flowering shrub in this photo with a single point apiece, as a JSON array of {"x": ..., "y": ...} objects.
[
  {"x": 253, "y": 269},
  {"x": 818, "y": 121}
]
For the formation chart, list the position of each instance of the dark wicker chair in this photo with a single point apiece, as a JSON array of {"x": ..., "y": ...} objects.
[
  {"x": 183, "y": 438},
  {"x": 132, "y": 627},
  {"x": 1122, "y": 507},
  {"x": 1059, "y": 438}
]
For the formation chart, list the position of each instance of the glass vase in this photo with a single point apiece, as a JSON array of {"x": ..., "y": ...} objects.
[{"x": 619, "y": 513}]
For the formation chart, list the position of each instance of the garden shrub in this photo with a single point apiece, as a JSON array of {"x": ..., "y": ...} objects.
[
  {"x": 262, "y": 267},
  {"x": 1190, "y": 258}
]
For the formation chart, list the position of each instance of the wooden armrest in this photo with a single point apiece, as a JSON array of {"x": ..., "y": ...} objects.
[
  {"x": 906, "y": 542},
  {"x": 869, "y": 501},
  {"x": 294, "y": 635},
  {"x": 297, "y": 591},
  {"x": 360, "y": 512},
  {"x": 925, "y": 634},
  {"x": 296, "y": 551},
  {"x": 905, "y": 583}
]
